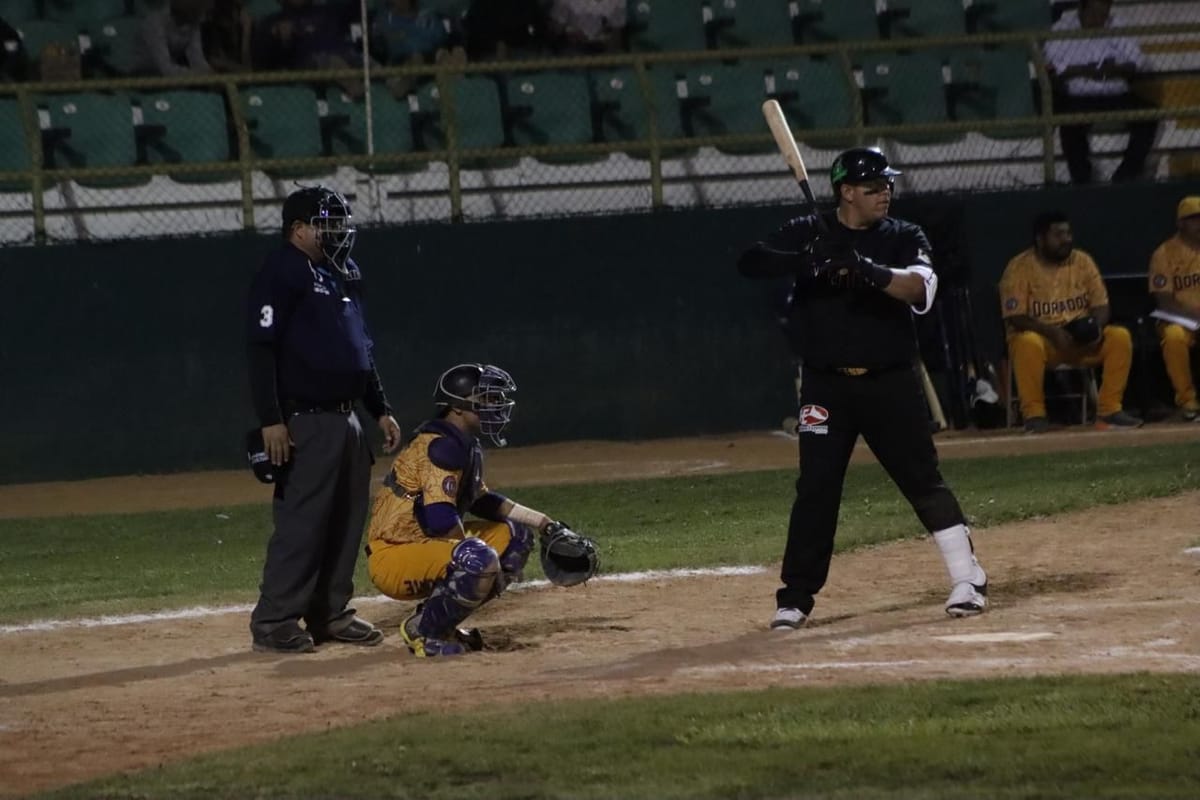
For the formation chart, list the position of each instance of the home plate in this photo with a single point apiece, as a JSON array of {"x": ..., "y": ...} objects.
[
  {"x": 1192, "y": 551},
  {"x": 997, "y": 636}
]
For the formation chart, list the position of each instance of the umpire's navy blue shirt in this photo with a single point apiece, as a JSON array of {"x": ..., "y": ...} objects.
[{"x": 313, "y": 320}]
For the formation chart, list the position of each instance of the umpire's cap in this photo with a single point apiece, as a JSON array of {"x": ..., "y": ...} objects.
[
  {"x": 860, "y": 165},
  {"x": 302, "y": 205}
]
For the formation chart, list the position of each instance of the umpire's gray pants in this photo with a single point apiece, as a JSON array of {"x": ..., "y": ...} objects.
[{"x": 320, "y": 507}]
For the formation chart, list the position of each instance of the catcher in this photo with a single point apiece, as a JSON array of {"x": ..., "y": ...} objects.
[{"x": 418, "y": 545}]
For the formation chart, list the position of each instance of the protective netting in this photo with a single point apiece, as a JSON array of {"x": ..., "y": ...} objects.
[{"x": 956, "y": 92}]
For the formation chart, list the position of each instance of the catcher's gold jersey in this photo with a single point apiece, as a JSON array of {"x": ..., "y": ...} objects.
[
  {"x": 1175, "y": 269},
  {"x": 415, "y": 482},
  {"x": 1051, "y": 293}
]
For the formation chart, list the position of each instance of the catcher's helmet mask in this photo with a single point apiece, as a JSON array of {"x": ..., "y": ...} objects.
[
  {"x": 483, "y": 389},
  {"x": 329, "y": 213},
  {"x": 862, "y": 165}
]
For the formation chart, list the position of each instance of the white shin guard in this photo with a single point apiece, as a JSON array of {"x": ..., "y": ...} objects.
[{"x": 959, "y": 555}]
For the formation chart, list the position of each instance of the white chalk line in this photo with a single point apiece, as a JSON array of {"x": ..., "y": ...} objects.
[
  {"x": 1189, "y": 660},
  {"x": 202, "y": 612}
]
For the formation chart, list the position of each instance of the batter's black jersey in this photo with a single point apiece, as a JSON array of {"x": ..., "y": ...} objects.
[{"x": 842, "y": 322}]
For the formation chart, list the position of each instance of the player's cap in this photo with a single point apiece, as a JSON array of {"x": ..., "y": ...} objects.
[{"x": 1188, "y": 207}]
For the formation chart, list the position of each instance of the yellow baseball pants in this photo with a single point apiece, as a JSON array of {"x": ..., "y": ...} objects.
[
  {"x": 1032, "y": 354},
  {"x": 408, "y": 571},
  {"x": 1176, "y": 341}
]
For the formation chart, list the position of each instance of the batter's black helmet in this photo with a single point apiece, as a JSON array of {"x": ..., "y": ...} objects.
[
  {"x": 481, "y": 388},
  {"x": 329, "y": 213},
  {"x": 860, "y": 165}
]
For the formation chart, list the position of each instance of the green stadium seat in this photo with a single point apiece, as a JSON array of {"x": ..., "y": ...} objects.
[
  {"x": 836, "y": 21},
  {"x": 924, "y": 18},
  {"x": 283, "y": 123},
  {"x": 37, "y": 34},
  {"x": 90, "y": 130},
  {"x": 391, "y": 131},
  {"x": 114, "y": 46},
  {"x": 185, "y": 126},
  {"x": 477, "y": 113},
  {"x": 753, "y": 23},
  {"x": 1009, "y": 15},
  {"x": 453, "y": 9},
  {"x": 545, "y": 108},
  {"x": 815, "y": 94},
  {"x": 17, "y": 11},
  {"x": 992, "y": 83},
  {"x": 725, "y": 99},
  {"x": 14, "y": 145},
  {"x": 620, "y": 106},
  {"x": 257, "y": 9},
  {"x": 621, "y": 110},
  {"x": 905, "y": 89},
  {"x": 83, "y": 13},
  {"x": 658, "y": 25}
]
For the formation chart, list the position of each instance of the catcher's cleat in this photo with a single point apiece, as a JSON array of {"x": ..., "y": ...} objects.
[
  {"x": 788, "y": 619},
  {"x": 469, "y": 638},
  {"x": 967, "y": 600},
  {"x": 428, "y": 646}
]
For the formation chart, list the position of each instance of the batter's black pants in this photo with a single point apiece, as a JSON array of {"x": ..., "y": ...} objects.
[
  {"x": 320, "y": 507},
  {"x": 888, "y": 408},
  {"x": 1077, "y": 149}
]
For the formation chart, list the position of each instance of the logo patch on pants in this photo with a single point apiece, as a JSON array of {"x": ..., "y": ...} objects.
[{"x": 813, "y": 419}]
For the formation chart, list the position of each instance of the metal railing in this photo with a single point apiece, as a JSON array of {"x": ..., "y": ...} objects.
[{"x": 654, "y": 148}]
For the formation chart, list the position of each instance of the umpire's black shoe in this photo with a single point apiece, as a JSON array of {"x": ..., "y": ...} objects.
[
  {"x": 359, "y": 632},
  {"x": 285, "y": 639}
]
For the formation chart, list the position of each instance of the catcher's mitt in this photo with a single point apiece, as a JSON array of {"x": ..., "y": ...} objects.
[{"x": 567, "y": 558}]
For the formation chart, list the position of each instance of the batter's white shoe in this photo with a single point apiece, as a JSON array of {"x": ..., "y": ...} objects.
[
  {"x": 788, "y": 619},
  {"x": 967, "y": 600}
]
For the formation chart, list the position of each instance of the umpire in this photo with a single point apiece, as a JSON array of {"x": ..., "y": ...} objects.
[
  {"x": 310, "y": 361},
  {"x": 859, "y": 276}
]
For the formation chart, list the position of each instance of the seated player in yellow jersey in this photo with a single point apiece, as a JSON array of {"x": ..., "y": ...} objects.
[
  {"x": 418, "y": 544},
  {"x": 1056, "y": 310},
  {"x": 1175, "y": 286}
]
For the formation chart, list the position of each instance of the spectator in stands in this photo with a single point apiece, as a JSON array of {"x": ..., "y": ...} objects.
[
  {"x": 1093, "y": 75},
  {"x": 1175, "y": 286},
  {"x": 406, "y": 34},
  {"x": 304, "y": 35},
  {"x": 587, "y": 26},
  {"x": 226, "y": 36},
  {"x": 12, "y": 56},
  {"x": 1055, "y": 307},
  {"x": 169, "y": 41},
  {"x": 505, "y": 28}
]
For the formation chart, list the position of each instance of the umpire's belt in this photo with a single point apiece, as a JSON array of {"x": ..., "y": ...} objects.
[
  {"x": 327, "y": 407},
  {"x": 855, "y": 372}
]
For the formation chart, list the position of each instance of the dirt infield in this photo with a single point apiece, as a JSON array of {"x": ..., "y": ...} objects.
[{"x": 1105, "y": 590}]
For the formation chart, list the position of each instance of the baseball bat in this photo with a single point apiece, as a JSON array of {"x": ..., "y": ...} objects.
[
  {"x": 777, "y": 122},
  {"x": 931, "y": 397}
]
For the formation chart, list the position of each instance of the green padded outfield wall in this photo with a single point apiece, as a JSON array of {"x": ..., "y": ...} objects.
[{"x": 128, "y": 357}]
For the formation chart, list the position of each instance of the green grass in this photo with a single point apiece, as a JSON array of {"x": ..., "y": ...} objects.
[
  {"x": 1096, "y": 737},
  {"x": 80, "y": 566}
]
